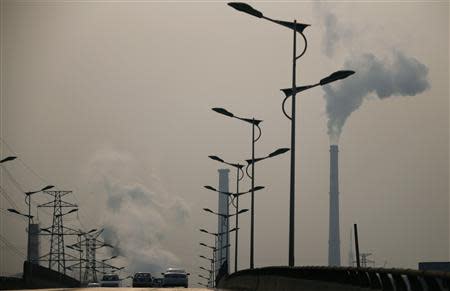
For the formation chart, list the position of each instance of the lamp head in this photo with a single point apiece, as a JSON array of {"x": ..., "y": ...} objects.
[
  {"x": 339, "y": 75},
  {"x": 242, "y": 211},
  {"x": 72, "y": 211},
  {"x": 223, "y": 111},
  {"x": 216, "y": 158},
  {"x": 210, "y": 188},
  {"x": 10, "y": 158},
  {"x": 13, "y": 211},
  {"x": 47, "y": 187},
  {"x": 278, "y": 152},
  {"x": 244, "y": 7},
  {"x": 208, "y": 210},
  {"x": 257, "y": 188}
]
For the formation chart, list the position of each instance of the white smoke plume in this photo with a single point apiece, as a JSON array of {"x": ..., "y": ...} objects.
[
  {"x": 135, "y": 219},
  {"x": 381, "y": 78},
  {"x": 335, "y": 32}
]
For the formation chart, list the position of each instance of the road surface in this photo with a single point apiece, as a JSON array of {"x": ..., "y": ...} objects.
[{"x": 123, "y": 289}]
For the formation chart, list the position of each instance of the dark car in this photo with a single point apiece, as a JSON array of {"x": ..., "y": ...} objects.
[
  {"x": 142, "y": 279},
  {"x": 110, "y": 280}
]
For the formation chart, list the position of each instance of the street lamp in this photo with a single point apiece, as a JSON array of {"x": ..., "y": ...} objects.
[
  {"x": 71, "y": 211},
  {"x": 19, "y": 213},
  {"x": 104, "y": 260},
  {"x": 226, "y": 216},
  {"x": 296, "y": 28},
  {"x": 271, "y": 155},
  {"x": 214, "y": 248},
  {"x": 10, "y": 158},
  {"x": 257, "y": 188},
  {"x": 255, "y": 124},
  {"x": 209, "y": 259},
  {"x": 239, "y": 177},
  {"x": 201, "y": 276},
  {"x": 217, "y": 233},
  {"x": 28, "y": 201},
  {"x": 204, "y": 269}
]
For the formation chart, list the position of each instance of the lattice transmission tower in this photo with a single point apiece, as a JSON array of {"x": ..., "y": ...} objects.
[{"x": 57, "y": 257}]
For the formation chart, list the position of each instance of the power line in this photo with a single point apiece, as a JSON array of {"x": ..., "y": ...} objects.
[
  {"x": 20, "y": 188},
  {"x": 39, "y": 176},
  {"x": 3, "y": 211},
  {"x": 10, "y": 246},
  {"x": 7, "y": 197}
]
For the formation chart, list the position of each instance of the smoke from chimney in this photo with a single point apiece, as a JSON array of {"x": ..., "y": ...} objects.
[
  {"x": 136, "y": 218},
  {"x": 400, "y": 76}
]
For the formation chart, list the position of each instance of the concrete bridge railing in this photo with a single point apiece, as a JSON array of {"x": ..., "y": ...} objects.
[{"x": 336, "y": 279}]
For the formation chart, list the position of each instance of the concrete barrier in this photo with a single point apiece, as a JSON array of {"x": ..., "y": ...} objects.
[{"x": 334, "y": 278}]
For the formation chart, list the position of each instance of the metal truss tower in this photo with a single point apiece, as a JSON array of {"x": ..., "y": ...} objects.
[
  {"x": 57, "y": 256},
  {"x": 91, "y": 243}
]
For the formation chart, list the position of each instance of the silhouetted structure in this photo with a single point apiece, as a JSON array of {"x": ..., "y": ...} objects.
[
  {"x": 56, "y": 256},
  {"x": 334, "y": 246},
  {"x": 91, "y": 245},
  {"x": 223, "y": 226},
  {"x": 33, "y": 234}
]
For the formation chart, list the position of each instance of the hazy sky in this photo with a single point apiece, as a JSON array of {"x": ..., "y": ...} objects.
[{"x": 111, "y": 99}]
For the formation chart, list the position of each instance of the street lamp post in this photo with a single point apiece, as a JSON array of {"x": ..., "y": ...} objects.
[
  {"x": 28, "y": 201},
  {"x": 212, "y": 262},
  {"x": 239, "y": 171},
  {"x": 296, "y": 28},
  {"x": 236, "y": 196},
  {"x": 227, "y": 218},
  {"x": 255, "y": 124},
  {"x": 217, "y": 235}
]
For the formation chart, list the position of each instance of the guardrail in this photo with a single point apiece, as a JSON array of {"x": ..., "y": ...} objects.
[{"x": 339, "y": 278}]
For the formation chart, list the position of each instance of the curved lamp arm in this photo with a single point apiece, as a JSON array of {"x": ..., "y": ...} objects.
[
  {"x": 260, "y": 133},
  {"x": 304, "y": 49},
  {"x": 282, "y": 108},
  {"x": 241, "y": 172},
  {"x": 246, "y": 170}
]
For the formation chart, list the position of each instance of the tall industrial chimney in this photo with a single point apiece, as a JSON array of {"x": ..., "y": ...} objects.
[
  {"x": 33, "y": 234},
  {"x": 334, "y": 245},
  {"x": 223, "y": 254}
]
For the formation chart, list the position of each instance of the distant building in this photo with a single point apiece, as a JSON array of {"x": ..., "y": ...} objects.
[{"x": 434, "y": 266}]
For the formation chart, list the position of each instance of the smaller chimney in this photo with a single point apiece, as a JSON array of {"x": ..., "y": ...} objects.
[{"x": 34, "y": 243}]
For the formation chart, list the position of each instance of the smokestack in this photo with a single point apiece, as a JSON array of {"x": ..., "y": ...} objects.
[
  {"x": 34, "y": 243},
  {"x": 334, "y": 248},
  {"x": 223, "y": 254}
]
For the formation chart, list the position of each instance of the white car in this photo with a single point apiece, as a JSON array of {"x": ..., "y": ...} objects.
[
  {"x": 93, "y": 285},
  {"x": 175, "y": 277},
  {"x": 111, "y": 280}
]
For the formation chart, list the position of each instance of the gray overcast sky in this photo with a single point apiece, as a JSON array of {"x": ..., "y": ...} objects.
[{"x": 111, "y": 99}]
